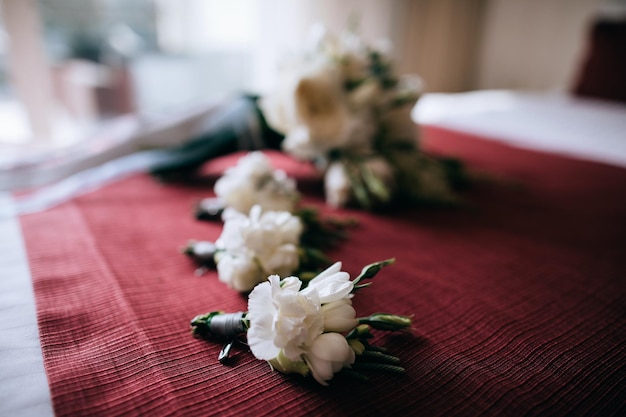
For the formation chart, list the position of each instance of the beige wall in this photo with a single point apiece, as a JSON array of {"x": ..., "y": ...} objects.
[
  {"x": 493, "y": 44},
  {"x": 455, "y": 45},
  {"x": 438, "y": 39},
  {"x": 533, "y": 44}
]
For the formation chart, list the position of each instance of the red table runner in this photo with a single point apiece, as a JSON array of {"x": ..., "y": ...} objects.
[{"x": 518, "y": 300}]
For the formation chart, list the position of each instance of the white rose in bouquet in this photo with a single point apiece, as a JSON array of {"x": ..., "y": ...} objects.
[{"x": 311, "y": 110}]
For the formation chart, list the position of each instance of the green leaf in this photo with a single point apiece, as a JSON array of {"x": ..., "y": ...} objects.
[{"x": 379, "y": 357}]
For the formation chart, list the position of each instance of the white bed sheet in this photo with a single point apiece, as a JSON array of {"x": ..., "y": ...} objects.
[
  {"x": 24, "y": 387},
  {"x": 553, "y": 122}
]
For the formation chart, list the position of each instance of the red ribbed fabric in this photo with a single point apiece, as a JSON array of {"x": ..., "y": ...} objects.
[{"x": 518, "y": 300}]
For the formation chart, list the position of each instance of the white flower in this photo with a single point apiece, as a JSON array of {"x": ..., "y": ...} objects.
[
  {"x": 351, "y": 53},
  {"x": 273, "y": 236},
  {"x": 332, "y": 284},
  {"x": 238, "y": 271},
  {"x": 288, "y": 325},
  {"x": 282, "y": 318},
  {"x": 231, "y": 239},
  {"x": 266, "y": 240},
  {"x": 312, "y": 110},
  {"x": 254, "y": 181},
  {"x": 337, "y": 186},
  {"x": 321, "y": 106},
  {"x": 298, "y": 143},
  {"x": 341, "y": 98},
  {"x": 329, "y": 353}
]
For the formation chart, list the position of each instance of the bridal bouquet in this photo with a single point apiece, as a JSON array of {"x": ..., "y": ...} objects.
[
  {"x": 340, "y": 104},
  {"x": 264, "y": 231},
  {"x": 308, "y": 327}
]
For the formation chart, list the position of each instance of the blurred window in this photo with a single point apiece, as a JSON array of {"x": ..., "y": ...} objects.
[{"x": 105, "y": 58}]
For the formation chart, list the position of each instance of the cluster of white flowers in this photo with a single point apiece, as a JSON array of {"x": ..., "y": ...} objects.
[
  {"x": 342, "y": 96},
  {"x": 253, "y": 181},
  {"x": 310, "y": 331},
  {"x": 255, "y": 245},
  {"x": 299, "y": 330}
]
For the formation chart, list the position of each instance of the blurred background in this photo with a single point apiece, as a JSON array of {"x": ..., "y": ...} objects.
[{"x": 69, "y": 67}]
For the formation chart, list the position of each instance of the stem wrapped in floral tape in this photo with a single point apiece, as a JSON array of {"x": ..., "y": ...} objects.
[{"x": 308, "y": 328}]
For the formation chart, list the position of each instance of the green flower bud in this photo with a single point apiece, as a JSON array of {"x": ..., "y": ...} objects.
[
  {"x": 361, "y": 331},
  {"x": 356, "y": 346},
  {"x": 384, "y": 321},
  {"x": 370, "y": 271}
]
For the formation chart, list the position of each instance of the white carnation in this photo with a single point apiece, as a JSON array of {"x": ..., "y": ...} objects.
[
  {"x": 291, "y": 327},
  {"x": 282, "y": 318},
  {"x": 254, "y": 181},
  {"x": 253, "y": 246},
  {"x": 238, "y": 270}
]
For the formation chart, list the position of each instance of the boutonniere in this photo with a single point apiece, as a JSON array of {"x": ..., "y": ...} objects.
[
  {"x": 308, "y": 327},
  {"x": 265, "y": 232}
]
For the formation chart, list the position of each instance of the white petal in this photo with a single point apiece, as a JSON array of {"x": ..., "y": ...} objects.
[
  {"x": 336, "y": 267},
  {"x": 261, "y": 312}
]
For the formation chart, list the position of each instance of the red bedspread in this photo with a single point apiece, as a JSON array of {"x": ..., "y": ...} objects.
[{"x": 518, "y": 300}]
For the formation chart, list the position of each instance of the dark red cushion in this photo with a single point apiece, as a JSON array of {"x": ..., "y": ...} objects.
[{"x": 603, "y": 72}]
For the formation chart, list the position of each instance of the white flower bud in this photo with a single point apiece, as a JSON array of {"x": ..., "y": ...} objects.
[
  {"x": 339, "y": 316},
  {"x": 328, "y": 354},
  {"x": 337, "y": 185}
]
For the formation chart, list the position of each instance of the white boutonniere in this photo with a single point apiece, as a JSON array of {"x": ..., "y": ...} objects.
[
  {"x": 309, "y": 328},
  {"x": 273, "y": 236}
]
